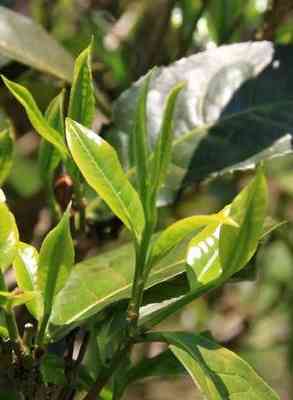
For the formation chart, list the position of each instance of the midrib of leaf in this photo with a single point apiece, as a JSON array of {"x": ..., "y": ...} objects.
[
  {"x": 125, "y": 288},
  {"x": 94, "y": 163}
]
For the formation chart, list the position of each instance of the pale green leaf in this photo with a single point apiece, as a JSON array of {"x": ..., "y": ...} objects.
[
  {"x": 26, "y": 266},
  {"x": 55, "y": 262},
  {"x": 248, "y": 209},
  {"x": 8, "y": 235},
  {"x": 218, "y": 372},
  {"x": 35, "y": 116},
  {"x": 178, "y": 231},
  {"x": 82, "y": 95},
  {"x": 99, "y": 164}
]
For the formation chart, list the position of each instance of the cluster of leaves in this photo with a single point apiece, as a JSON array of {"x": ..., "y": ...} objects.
[{"x": 167, "y": 128}]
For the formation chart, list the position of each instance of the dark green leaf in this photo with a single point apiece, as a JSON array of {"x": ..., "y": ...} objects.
[
  {"x": 82, "y": 95},
  {"x": 6, "y": 147},
  {"x": 52, "y": 369},
  {"x": 26, "y": 42},
  {"x": 234, "y": 111},
  {"x": 36, "y": 118},
  {"x": 99, "y": 164}
]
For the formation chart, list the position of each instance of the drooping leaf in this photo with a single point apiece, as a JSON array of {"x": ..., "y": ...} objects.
[
  {"x": 178, "y": 231},
  {"x": 55, "y": 262},
  {"x": 82, "y": 95},
  {"x": 38, "y": 121},
  {"x": 233, "y": 112},
  {"x": 99, "y": 164},
  {"x": 49, "y": 156},
  {"x": 26, "y": 266},
  {"x": 219, "y": 373},
  {"x": 248, "y": 209},
  {"x": 8, "y": 234},
  {"x": 25, "y": 41}
]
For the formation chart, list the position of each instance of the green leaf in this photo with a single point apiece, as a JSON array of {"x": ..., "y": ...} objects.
[
  {"x": 35, "y": 116},
  {"x": 8, "y": 235},
  {"x": 235, "y": 111},
  {"x": 82, "y": 95},
  {"x": 248, "y": 209},
  {"x": 53, "y": 369},
  {"x": 6, "y": 147},
  {"x": 13, "y": 299},
  {"x": 55, "y": 262},
  {"x": 26, "y": 42},
  {"x": 178, "y": 231},
  {"x": 219, "y": 373},
  {"x": 140, "y": 150},
  {"x": 49, "y": 156},
  {"x": 99, "y": 164},
  {"x": 100, "y": 281},
  {"x": 163, "y": 148},
  {"x": 26, "y": 266}
]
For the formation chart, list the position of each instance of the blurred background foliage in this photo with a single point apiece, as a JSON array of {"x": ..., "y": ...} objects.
[{"x": 255, "y": 317}]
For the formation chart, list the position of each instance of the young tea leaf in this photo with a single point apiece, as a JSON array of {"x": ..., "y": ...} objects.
[
  {"x": 248, "y": 209},
  {"x": 35, "y": 116},
  {"x": 49, "y": 156},
  {"x": 178, "y": 231},
  {"x": 99, "y": 164},
  {"x": 55, "y": 262},
  {"x": 82, "y": 95},
  {"x": 26, "y": 266},
  {"x": 8, "y": 234}
]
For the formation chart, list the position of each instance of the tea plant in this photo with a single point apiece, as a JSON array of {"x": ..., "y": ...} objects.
[{"x": 88, "y": 317}]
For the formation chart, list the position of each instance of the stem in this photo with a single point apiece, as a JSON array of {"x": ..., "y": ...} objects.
[
  {"x": 11, "y": 324},
  {"x": 42, "y": 330}
]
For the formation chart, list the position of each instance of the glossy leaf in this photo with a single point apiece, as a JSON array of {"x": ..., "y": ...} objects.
[
  {"x": 35, "y": 116},
  {"x": 26, "y": 266},
  {"x": 178, "y": 231},
  {"x": 233, "y": 112},
  {"x": 82, "y": 95},
  {"x": 100, "y": 281},
  {"x": 99, "y": 164},
  {"x": 55, "y": 262},
  {"x": 20, "y": 40},
  {"x": 6, "y": 147},
  {"x": 49, "y": 156},
  {"x": 8, "y": 234},
  {"x": 248, "y": 209},
  {"x": 219, "y": 373}
]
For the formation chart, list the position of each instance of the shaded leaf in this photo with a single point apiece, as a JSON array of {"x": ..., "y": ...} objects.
[
  {"x": 99, "y": 164},
  {"x": 25, "y": 41},
  {"x": 234, "y": 111},
  {"x": 52, "y": 369},
  {"x": 6, "y": 147},
  {"x": 49, "y": 156},
  {"x": 35, "y": 116}
]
